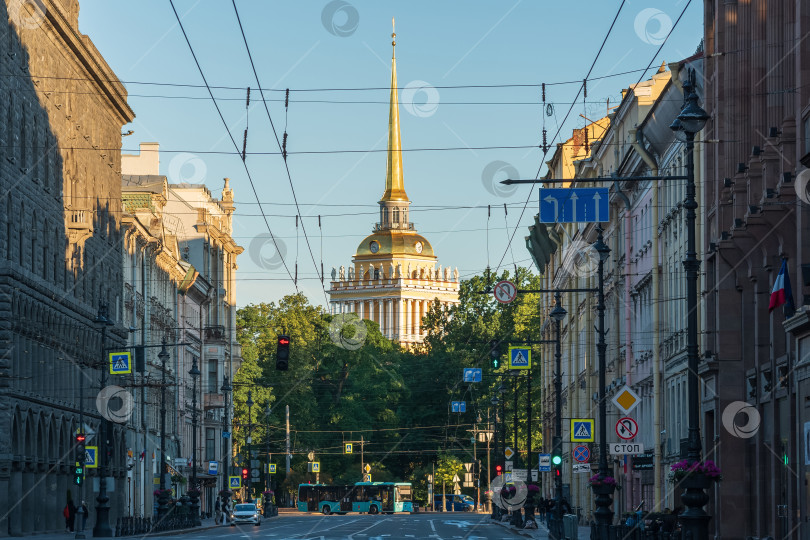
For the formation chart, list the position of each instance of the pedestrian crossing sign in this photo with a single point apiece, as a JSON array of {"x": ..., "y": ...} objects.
[
  {"x": 120, "y": 363},
  {"x": 91, "y": 457},
  {"x": 520, "y": 358},
  {"x": 582, "y": 429},
  {"x": 271, "y": 468},
  {"x": 348, "y": 448},
  {"x": 235, "y": 481}
]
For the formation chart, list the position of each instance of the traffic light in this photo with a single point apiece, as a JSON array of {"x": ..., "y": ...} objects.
[
  {"x": 498, "y": 470},
  {"x": 542, "y": 242},
  {"x": 78, "y": 470},
  {"x": 282, "y": 353},
  {"x": 244, "y": 474},
  {"x": 495, "y": 353},
  {"x": 556, "y": 453}
]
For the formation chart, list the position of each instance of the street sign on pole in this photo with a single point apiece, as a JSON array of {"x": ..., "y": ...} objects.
[
  {"x": 468, "y": 467},
  {"x": 348, "y": 449},
  {"x": 544, "y": 462},
  {"x": 626, "y": 400},
  {"x": 582, "y": 429},
  {"x": 574, "y": 205},
  {"x": 508, "y": 452},
  {"x": 505, "y": 291},
  {"x": 507, "y": 465},
  {"x": 581, "y": 454},
  {"x": 472, "y": 375},
  {"x": 626, "y": 449},
  {"x": 458, "y": 406},
  {"x": 519, "y": 474},
  {"x": 120, "y": 363},
  {"x": 367, "y": 468},
  {"x": 213, "y": 467},
  {"x": 581, "y": 468},
  {"x": 520, "y": 358},
  {"x": 626, "y": 428}
]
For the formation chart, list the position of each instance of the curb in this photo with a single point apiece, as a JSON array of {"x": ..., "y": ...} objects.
[{"x": 521, "y": 532}]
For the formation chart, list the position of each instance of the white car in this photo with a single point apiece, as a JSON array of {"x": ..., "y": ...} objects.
[{"x": 246, "y": 513}]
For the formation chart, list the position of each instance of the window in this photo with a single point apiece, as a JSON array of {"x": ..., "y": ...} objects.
[
  {"x": 396, "y": 215},
  {"x": 210, "y": 444},
  {"x": 213, "y": 379}
]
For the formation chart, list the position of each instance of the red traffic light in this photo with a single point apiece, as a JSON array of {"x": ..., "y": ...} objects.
[
  {"x": 498, "y": 469},
  {"x": 80, "y": 437},
  {"x": 283, "y": 340},
  {"x": 244, "y": 473}
]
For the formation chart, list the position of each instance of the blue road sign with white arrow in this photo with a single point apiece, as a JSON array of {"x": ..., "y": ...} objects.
[
  {"x": 472, "y": 374},
  {"x": 574, "y": 205},
  {"x": 458, "y": 406}
]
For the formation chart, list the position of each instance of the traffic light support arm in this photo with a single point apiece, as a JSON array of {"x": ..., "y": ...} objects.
[{"x": 509, "y": 181}]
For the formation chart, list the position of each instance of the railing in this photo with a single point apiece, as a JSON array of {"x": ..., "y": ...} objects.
[
  {"x": 136, "y": 525},
  {"x": 625, "y": 532},
  {"x": 77, "y": 219}
]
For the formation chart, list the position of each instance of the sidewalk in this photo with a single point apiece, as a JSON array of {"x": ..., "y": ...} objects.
[
  {"x": 584, "y": 533},
  {"x": 206, "y": 524}
]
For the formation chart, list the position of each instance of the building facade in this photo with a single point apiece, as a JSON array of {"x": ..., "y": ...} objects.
[
  {"x": 393, "y": 279},
  {"x": 755, "y": 371},
  {"x": 60, "y": 260},
  {"x": 197, "y": 230},
  {"x": 644, "y": 292}
]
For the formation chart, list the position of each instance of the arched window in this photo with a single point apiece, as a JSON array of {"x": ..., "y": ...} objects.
[
  {"x": 34, "y": 242},
  {"x": 395, "y": 219}
]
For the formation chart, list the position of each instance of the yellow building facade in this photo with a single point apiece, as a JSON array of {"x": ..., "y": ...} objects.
[{"x": 393, "y": 277}]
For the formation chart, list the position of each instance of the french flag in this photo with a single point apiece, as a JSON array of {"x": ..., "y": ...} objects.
[{"x": 782, "y": 293}]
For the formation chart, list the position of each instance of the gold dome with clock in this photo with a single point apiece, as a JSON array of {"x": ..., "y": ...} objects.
[{"x": 393, "y": 277}]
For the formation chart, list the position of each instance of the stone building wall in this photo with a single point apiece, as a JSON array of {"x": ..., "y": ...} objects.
[{"x": 60, "y": 121}]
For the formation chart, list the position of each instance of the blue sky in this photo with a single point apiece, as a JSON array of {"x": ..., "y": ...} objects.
[{"x": 311, "y": 44}]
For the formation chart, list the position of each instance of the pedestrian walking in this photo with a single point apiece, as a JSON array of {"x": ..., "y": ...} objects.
[{"x": 71, "y": 520}]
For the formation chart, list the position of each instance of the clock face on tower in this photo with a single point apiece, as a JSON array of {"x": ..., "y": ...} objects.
[
  {"x": 374, "y": 246},
  {"x": 418, "y": 247}
]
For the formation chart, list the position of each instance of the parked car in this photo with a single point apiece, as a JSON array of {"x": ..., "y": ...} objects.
[
  {"x": 453, "y": 503},
  {"x": 246, "y": 513}
]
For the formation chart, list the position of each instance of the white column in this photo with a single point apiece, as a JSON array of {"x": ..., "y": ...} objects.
[
  {"x": 417, "y": 321},
  {"x": 362, "y": 309},
  {"x": 403, "y": 315},
  {"x": 389, "y": 322},
  {"x": 386, "y": 318}
]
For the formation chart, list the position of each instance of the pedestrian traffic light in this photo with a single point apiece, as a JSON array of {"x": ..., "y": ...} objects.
[
  {"x": 495, "y": 353},
  {"x": 282, "y": 353},
  {"x": 498, "y": 470},
  {"x": 78, "y": 474},
  {"x": 244, "y": 474}
]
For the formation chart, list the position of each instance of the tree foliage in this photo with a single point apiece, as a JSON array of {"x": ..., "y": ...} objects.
[{"x": 397, "y": 402}]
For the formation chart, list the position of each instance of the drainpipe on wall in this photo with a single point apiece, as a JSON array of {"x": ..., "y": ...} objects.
[{"x": 638, "y": 145}]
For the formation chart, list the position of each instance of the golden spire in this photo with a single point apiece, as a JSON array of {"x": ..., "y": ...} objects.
[{"x": 394, "y": 181}]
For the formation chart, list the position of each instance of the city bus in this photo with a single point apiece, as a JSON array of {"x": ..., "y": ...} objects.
[{"x": 368, "y": 497}]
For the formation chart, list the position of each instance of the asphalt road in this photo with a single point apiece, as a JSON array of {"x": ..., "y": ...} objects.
[{"x": 435, "y": 526}]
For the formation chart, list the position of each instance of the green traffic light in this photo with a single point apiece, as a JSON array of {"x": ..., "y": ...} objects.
[
  {"x": 496, "y": 363},
  {"x": 556, "y": 460}
]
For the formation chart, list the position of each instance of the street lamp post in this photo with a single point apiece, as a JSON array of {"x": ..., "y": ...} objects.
[
  {"x": 558, "y": 314},
  {"x": 249, "y": 404},
  {"x": 194, "y": 491},
  {"x": 226, "y": 387},
  {"x": 496, "y": 514},
  {"x": 604, "y": 492},
  {"x": 690, "y": 121},
  {"x": 102, "y": 527},
  {"x": 163, "y": 499}
]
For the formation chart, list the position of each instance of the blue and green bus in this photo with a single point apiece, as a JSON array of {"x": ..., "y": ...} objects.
[{"x": 368, "y": 497}]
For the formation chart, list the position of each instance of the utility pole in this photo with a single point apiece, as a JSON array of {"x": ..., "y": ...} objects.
[
  {"x": 362, "y": 458},
  {"x": 476, "y": 468},
  {"x": 288, "y": 440}
]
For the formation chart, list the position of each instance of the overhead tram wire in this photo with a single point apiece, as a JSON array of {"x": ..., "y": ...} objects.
[
  {"x": 284, "y": 153},
  {"x": 236, "y": 147},
  {"x": 559, "y": 130}
]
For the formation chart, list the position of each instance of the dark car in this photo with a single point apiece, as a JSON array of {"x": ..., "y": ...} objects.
[{"x": 453, "y": 503}]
